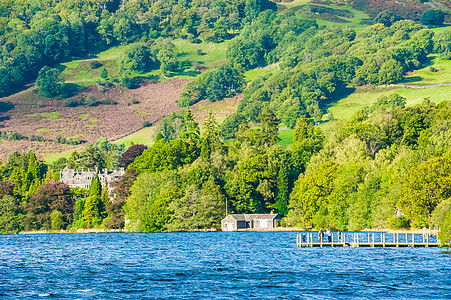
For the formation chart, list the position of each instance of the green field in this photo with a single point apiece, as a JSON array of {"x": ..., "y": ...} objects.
[
  {"x": 204, "y": 54},
  {"x": 253, "y": 74},
  {"x": 145, "y": 136},
  {"x": 286, "y": 137},
  {"x": 424, "y": 76},
  {"x": 347, "y": 106}
]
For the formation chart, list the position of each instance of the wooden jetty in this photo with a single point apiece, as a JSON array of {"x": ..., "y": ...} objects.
[{"x": 362, "y": 239}]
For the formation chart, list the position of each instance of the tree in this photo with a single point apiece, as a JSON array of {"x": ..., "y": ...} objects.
[
  {"x": 121, "y": 191},
  {"x": 94, "y": 208},
  {"x": 132, "y": 152},
  {"x": 49, "y": 83},
  {"x": 428, "y": 184},
  {"x": 387, "y": 18},
  {"x": 391, "y": 72},
  {"x": 51, "y": 196},
  {"x": 445, "y": 234},
  {"x": 56, "y": 218},
  {"x": 139, "y": 58},
  {"x": 269, "y": 127},
  {"x": 11, "y": 214},
  {"x": 211, "y": 136},
  {"x": 190, "y": 129},
  {"x": 283, "y": 192},
  {"x": 167, "y": 59},
  {"x": 432, "y": 17},
  {"x": 104, "y": 74},
  {"x": 310, "y": 194}
]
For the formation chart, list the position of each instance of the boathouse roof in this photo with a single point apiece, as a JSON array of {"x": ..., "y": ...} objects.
[{"x": 249, "y": 217}]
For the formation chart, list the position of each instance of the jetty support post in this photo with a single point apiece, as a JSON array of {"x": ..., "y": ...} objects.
[{"x": 413, "y": 240}]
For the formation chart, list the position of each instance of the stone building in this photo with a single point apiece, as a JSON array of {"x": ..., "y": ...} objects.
[
  {"x": 83, "y": 178},
  {"x": 236, "y": 222}
]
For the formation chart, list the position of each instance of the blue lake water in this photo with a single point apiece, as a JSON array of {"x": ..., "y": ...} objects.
[{"x": 242, "y": 265}]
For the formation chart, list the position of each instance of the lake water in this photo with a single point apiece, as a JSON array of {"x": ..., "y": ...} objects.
[{"x": 242, "y": 265}]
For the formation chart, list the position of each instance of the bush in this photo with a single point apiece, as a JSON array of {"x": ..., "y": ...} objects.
[
  {"x": 72, "y": 103},
  {"x": 95, "y": 64},
  {"x": 147, "y": 124},
  {"x": 398, "y": 222},
  {"x": 75, "y": 140},
  {"x": 37, "y": 138},
  {"x": 13, "y": 136}
]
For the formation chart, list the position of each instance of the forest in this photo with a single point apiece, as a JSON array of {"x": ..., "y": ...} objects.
[
  {"x": 385, "y": 157},
  {"x": 342, "y": 174}
]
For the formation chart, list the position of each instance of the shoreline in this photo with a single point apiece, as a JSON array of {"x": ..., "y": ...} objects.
[{"x": 279, "y": 229}]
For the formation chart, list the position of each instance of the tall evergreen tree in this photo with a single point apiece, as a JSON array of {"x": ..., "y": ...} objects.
[
  {"x": 269, "y": 127},
  {"x": 283, "y": 192},
  {"x": 190, "y": 129},
  {"x": 94, "y": 208}
]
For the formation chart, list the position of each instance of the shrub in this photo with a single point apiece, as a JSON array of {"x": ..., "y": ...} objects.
[
  {"x": 147, "y": 124},
  {"x": 13, "y": 135},
  {"x": 71, "y": 103},
  {"x": 398, "y": 222},
  {"x": 37, "y": 138},
  {"x": 95, "y": 64},
  {"x": 75, "y": 140}
]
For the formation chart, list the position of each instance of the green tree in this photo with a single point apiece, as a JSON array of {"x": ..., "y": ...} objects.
[
  {"x": 49, "y": 83},
  {"x": 94, "y": 208},
  {"x": 427, "y": 185},
  {"x": 432, "y": 17},
  {"x": 283, "y": 192},
  {"x": 391, "y": 72},
  {"x": 269, "y": 127},
  {"x": 56, "y": 218},
  {"x": 311, "y": 193},
  {"x": 11, "y": 215},
  {"x": 190, "y": 130},
  {"x": 445, "y": 232}
]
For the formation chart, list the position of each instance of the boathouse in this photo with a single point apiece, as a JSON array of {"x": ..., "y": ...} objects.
[{"x": 234, "y": 222}]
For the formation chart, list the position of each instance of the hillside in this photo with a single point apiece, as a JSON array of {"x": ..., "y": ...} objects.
[{"x": 119, "y": 113}]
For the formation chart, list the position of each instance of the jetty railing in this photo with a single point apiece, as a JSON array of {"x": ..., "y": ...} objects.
[{"x": 366, "y": 239}]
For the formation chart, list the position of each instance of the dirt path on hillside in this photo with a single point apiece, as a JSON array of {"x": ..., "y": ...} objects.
[{"x": 418, "y": 86}]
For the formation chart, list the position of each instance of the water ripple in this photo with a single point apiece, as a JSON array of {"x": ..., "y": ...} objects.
[{"x": 213, "y": 266}]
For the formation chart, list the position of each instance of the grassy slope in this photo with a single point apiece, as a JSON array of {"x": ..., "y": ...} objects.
[
  {"x": 79, "y": 71},
  {"x": 347, "y": 106}
]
